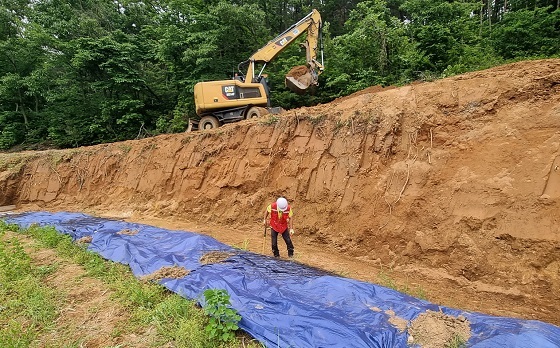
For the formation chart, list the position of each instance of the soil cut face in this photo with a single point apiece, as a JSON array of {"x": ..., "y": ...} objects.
[{"x": 452, "y": 186}]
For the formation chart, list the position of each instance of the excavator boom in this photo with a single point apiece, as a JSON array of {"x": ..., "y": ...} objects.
[{"x": 300, "y": 78}]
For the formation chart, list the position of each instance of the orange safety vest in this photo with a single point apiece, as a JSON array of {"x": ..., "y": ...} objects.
[{"x": 279, "y": 219}]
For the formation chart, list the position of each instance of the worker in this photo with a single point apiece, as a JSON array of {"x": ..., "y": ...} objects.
[{"x": 281, "y": 222}]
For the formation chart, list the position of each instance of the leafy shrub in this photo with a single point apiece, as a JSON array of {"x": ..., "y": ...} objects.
[{"x": 223, "y": 319}]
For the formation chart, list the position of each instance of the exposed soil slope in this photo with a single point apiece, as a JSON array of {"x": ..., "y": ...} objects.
[{"x": 452, "y": 185}]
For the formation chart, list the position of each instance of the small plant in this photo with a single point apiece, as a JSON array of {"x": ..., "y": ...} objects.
[
  {"x": 339, "y": 125},
  {"x": 456, "y": 342},
  {"x": 385, "y": 279},
  {"x": 223, "y": 319},
  {"x": 55, "y": 157},
  {"x": 270, "y": 120},
  {"x": 316, "y": 120},
  {"x": 125, "y": 148},
  {"x": 243, "y": 245}
]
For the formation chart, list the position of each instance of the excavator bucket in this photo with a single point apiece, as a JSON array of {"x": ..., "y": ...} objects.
[{"x": 299, "y": 79}]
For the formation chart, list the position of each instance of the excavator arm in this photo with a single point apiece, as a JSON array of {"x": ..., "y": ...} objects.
[{"x": 299, "y": 78}]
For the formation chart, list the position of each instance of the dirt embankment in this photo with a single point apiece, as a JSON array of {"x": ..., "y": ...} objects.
[{"x": 453, "y": 184}]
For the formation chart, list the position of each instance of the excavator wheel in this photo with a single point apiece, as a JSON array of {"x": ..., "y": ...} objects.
[
  {"x": 256, "y": 112},
  {"x": 208, "y": 122},
  {"x": 253, "y": 112}
]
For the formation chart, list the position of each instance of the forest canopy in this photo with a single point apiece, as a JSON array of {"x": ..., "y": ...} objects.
[{"x": 85, "y": 72}]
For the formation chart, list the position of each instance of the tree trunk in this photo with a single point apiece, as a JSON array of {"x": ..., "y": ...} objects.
[
  {"x": 20, "y": 97},
  {"x": 23, "y": 113},
  {"x": 481, "y": 18},
  {"x": 489, "y": 9}
]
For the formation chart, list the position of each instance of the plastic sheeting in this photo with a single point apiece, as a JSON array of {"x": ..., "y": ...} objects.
[{"x": 282, "y": 303}]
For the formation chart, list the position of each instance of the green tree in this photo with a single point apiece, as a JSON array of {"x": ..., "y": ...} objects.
[
  {"x": 528, "y": 33},
  {"x": 444, "y": 31},
  {"x": 376, "y": 50},
  {"x": 22, "y": 83}
]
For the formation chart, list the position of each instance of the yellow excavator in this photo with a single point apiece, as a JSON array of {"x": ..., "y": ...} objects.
[{"x": 248, "y": 96}]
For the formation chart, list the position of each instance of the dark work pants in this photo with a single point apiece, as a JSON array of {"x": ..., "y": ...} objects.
[{"x": 287, "y": 239}]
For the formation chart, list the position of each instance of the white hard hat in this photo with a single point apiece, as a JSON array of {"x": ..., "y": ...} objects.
[{"x": 282, "y": 204}]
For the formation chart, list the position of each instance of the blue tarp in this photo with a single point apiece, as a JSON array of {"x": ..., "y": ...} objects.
[{"x": 282, "y": 303}]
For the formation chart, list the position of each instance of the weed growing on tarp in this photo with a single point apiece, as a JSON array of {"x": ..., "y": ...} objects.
[{"x": 223, "y": 319}]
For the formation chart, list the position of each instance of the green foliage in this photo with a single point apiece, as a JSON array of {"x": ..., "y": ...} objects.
[
  {"x": 270, "y": 120},
  {"x": 223, "y": 319},
  {"x": 375, "y": 51},
  {"x": 27, "y": 308},
  {"x": 456, "y": 342},
  {"x": 385, "y": 279},
  {"x": 11, "y": 134},
  {"x": 76, "y": 73},
  {"x": 528, "y": 33},
  {"x": 443, "y": 30}
]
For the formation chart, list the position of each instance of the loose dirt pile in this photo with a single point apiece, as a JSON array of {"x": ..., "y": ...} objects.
[
  {"x": 299, "y": 79},
  {"x": 436, "y": 330},
  {"x": 298, "y": 71},
  {"x": 128, "y": 232},
  {"x": 397, "y": 321},
  {"x": 84, "y": 240},
  {"x": 174, "y": 272},
  {"x": 453, "y": 185},
  {"x": 214, "y": 257}
]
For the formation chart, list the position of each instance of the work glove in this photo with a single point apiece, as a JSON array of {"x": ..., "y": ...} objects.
[
  {"x": 264, "y": 222},
  {"x": 291, "y": 231}
]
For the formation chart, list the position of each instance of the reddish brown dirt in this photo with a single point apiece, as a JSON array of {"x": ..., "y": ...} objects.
[
  {"x": 452, "y": 186},
  {"x": 166, "y": 272},
  {"x": 298, "y": 71}
]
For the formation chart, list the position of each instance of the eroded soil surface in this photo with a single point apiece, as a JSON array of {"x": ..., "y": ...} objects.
[{"x": 451, "y": 187}]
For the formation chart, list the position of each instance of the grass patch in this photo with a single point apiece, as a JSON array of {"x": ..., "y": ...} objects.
[
  {"x": 14, "y": 162},
  {"x": 270, "y": 120},
  {"x": 316, "y": 119},
  {"x": 243, "y": 245},
  {"x": 456, "y": 342},
  {"x": 28, "y": 307},
  {"x": 385, "y": 279},
  {"x": 125, "y": 148}
]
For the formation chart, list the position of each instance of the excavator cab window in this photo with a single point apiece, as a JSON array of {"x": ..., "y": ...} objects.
[
  {"x": 249, "y": 92},
  {"x": 239, "y": 77}
]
